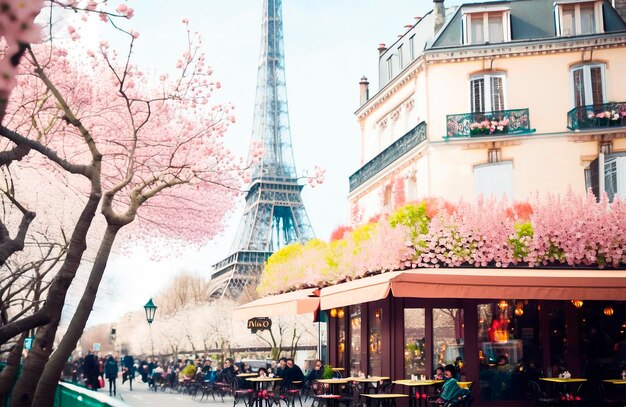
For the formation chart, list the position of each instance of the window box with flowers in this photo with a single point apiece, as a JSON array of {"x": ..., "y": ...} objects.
[
  {"x": 503, "y": 122},
  {"x": 595, "y": 116}
]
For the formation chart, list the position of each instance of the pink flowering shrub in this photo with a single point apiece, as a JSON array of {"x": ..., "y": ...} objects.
[{"x": 571, "y": 230}]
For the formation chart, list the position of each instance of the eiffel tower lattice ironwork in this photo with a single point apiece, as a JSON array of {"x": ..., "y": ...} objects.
[{"x": 274, "y": 214}]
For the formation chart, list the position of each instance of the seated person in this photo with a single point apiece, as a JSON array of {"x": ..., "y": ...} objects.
[
  {"x": 438, "y": 373},
  {"x": 451, "y": 393},
  {"x": 291, "y": 373},
  {"x": 317, "y": 372},
  {"x": 263, "y": 372}
]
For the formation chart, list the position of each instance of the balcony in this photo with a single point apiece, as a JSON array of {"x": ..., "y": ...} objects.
[
  {"x": 597, "y": 116},
  {"x": 396, "y": 150},
  {"x": 484, "y": 124}
]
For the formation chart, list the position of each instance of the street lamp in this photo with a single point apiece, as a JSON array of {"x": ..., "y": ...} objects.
[{"x": 150, "y": 309}]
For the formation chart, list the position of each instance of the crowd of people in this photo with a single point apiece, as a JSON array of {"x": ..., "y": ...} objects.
[{"x": 101, "y": 372}]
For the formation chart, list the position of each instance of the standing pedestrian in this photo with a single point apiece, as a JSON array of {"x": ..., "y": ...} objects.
[{"x": 110, "y": 372}]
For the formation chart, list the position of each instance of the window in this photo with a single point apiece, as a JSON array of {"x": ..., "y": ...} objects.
[
  {"x": 390, "y": 68},
  {"x": 355, "y": 340},
  {"x": 448, "y": 337},
  {"x": 401, "y": 56},
  {"x": 375, "y": 331},
  {"x": 412, "y": 46},
  {"x": 588, "y": 85},
  {"x": 486, "y": 27},
  {"x": 414, "y": 342},
  {"x": 495, "y": 179},
  {"x": 579, "y": 18},
  {"x": 487, "y": 93}
]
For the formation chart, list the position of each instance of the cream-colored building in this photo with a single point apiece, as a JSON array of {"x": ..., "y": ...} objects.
[{"x": 497, "y": 98}]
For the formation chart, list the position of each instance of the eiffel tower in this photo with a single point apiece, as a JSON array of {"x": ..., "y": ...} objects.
[{"x": 274, "y": 214}]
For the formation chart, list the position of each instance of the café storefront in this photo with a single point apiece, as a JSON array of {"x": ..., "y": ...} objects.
[{"x": 500, "y": 327}]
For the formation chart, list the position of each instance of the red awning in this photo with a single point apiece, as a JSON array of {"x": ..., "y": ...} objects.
[
  {"x": 546, "y": 284},
  {"x": 296, "y": 302}
]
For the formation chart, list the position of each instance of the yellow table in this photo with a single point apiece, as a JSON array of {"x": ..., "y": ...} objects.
[
  {"x": 247, "y": 375},
  {"x": 384, "y": 397},
  {"x": 333, "y": 384},
  {"x": 615, "y": 381},
  {"x": 564, "y": 382},
  {"x": 412, "y": 384},
  {"x": 258, "y": 382},
  {"x": 465, "y": 385}
]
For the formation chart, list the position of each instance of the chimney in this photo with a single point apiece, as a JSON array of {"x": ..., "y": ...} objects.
[
  {"x": 381, "y": 49},
  {"x": 364, "y": 88},
  {"x": 440, "y": 15}
]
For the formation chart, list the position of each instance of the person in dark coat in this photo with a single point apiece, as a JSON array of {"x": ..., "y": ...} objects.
[
  {"x": 91, "y": 370},
  {"x": 292, "y": 373},
  {"x": 128, "y": 370},
  {"x": 317, "y": 372},
  {"x": 110, "y": 372}
]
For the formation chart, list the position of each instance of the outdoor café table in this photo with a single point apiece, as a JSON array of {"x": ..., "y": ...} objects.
[
  {"x": 385, "y": 398},
  {"x": 368, "y": 381},
  {"x": 247, "y": 375},
  {"x": 465, "y": 385},
  {"x": 334, "y": 384},
  {"x": 412, "y": 384},
  {"x": 564, "y": 382},
  {"x": 258, "y": 384}
]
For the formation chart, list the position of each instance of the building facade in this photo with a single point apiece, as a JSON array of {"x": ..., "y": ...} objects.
[{"x": 498, "y": 98}]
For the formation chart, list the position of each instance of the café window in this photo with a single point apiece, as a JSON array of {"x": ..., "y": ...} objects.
[
  {"x": 341, "y": 335},
  {"x": 448, "y": 339},
  {"x": 486, "y": 26},
  {"x": 355, "y": 340},
  {"x": 509, "y": 348},
  {"x": 375, "y": 341},
  {"x": 414, "y": 342},
  {"x": 578, "y": 18}
]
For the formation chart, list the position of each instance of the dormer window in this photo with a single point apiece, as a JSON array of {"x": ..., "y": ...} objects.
[
  {"x": 486, "y": 24},
  {"x": 576, "y": 17}
]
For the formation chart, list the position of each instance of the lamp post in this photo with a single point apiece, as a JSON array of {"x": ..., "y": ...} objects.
[{"x": 150, "y": 309}]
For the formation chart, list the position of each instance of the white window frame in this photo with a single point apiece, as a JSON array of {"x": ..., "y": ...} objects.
[
  {"x": 487, "y": 91},
  {"x": 597, "y": 11},
  {"x": 401, "y": 59},
  {"x": 486, "y": 12},
  {"x": 587, "y": 81},
  {"x": 412, "y": 47},
  {"x": 390, "y": 68},
  {"x": 506, "y": 190}
]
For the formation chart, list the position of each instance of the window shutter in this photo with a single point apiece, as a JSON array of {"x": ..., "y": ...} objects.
[
  {"x": 610, "y": 178},
  {"x": 579, "y": 87},
  {"x": 478, "y": 95},
  {"x": 596, "y": 85},
  {"x": 497, "y": 94}
]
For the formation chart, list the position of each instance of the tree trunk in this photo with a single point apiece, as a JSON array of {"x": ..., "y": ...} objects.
[
  {"x": 9, "y": 373},
  {"x": 33, "y": 365},
  {"x": 55, "y": 299},
  {"x": 44, "y": 396}
]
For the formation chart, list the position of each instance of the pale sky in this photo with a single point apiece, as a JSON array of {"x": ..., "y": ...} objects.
[{"x": 329, "y": 45}]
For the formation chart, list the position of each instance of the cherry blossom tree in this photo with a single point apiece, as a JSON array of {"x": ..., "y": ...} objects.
[{"x": 150, "y": 155}]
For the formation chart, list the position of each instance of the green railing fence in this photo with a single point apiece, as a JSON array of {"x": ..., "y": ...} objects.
[
  {"x": 597, "y": 116},
  {"x": 482, "y": 124}
]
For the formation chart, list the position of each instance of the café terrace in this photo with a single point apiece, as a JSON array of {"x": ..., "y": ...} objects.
[{"x": 503, "y": 327}]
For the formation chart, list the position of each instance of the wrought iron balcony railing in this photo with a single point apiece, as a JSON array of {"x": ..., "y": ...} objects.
[
  {"x": 396, "y": 150},
  {"x": 483, "y": 124},
  {"x": 596, "y": 116}
]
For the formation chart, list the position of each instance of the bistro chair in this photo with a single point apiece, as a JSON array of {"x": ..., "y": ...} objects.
[
  {"x": 540, "y": 397},
  {"x": 240, "y": 393},
  {"x": 320, "y": 397},
  {"x": 385, "y": 386},
  {"x": 606, "y": 398}
]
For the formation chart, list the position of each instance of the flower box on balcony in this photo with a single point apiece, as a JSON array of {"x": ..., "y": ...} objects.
[
  {"x": 597, "y": 116},
  {"x": 503, "y": 122}
]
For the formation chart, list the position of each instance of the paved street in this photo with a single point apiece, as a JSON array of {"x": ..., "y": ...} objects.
[{"x": 141, "y": 396}]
